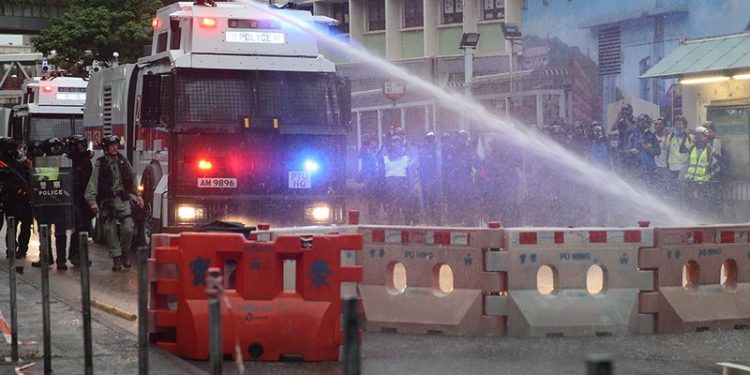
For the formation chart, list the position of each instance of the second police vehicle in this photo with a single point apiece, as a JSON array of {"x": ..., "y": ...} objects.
[{"x": 51, "y": 107}]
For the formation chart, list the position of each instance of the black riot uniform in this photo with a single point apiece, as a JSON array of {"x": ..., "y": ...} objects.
[
  {"x": 14, "y": 176},
  {"x": 79, "y": 153}
]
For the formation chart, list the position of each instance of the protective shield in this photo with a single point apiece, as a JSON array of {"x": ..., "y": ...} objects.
[{"x": 52, "y": 189}]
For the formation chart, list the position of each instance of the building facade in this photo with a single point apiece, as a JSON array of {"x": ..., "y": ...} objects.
[{"x": 627, "y": 38}]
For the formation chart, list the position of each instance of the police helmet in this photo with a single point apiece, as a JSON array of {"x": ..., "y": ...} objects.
[
  {"x": 9, "y": 149},
  {"x": 430, "y": 136},
  {"x": 701, "y": 131},
  {"x": 34, "y": 149},
  {"x": 77, "y": 143},
  {"x": 110, "y": 139},
  {"x": 53, "y": 146}
]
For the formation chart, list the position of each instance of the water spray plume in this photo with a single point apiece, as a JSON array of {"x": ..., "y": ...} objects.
[{"x": 651, "y": 207}]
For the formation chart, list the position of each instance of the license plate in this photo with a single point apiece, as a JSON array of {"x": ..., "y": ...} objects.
[
  {"x": 226, "y": 183},
  {"x": 299, "y": 180}
]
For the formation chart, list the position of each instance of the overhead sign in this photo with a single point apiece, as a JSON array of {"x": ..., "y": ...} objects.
[{"x": 393, "y": 90}]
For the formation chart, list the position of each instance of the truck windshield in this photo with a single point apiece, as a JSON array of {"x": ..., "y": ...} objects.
[
  {"x": 295, "y": 98},
  {"x": 42, "y": 127}
]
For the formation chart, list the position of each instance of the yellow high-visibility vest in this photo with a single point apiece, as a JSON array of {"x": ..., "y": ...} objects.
[{"x": 698, "y": 167}]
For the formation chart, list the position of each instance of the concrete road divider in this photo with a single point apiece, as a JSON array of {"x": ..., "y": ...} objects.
[
  {"x": 703, "y": 278},
  {"x": 431, "y": 280},
  {"x": 574, "y": 281}
]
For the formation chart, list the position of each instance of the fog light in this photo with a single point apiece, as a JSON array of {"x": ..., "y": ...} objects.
[{"x": 189, "y": 213}]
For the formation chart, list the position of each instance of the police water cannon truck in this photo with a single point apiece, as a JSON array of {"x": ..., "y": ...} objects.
[
  {"x": 50, "y": 107},
  {"x": 234, "y": 116}
]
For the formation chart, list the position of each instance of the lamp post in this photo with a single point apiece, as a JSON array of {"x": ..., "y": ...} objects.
[
  {"x": 468, "y": 43},
  {"x": 512, "y": 33}
]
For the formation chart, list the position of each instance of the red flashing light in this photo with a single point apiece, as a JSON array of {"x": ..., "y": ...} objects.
[
  {"x": 208, "y": 22},
  {"x": 205, "y": 165},
  {"x": 155, "y": 23},
  {"x": 47, "y": 88}
]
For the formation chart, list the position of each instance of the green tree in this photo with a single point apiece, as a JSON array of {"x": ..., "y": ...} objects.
[{"x": 95, "y": 29}]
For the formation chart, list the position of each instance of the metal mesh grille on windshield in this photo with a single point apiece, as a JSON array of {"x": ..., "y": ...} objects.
[
  {"x": 210, "y": 98},
  {"x": 300, "y": 99},
  {"x": 44, "y": 128}
]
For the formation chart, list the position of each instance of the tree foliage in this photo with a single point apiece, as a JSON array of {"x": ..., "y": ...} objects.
[{"x": 95, "y": 29}]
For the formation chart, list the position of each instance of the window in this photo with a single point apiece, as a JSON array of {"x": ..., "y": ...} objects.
[
  {"x": 236, "y": 95},
  {"x": 610, "y": 51},
  {"x": 43, "y": 127},
  {"x": 161, "y": 42},
  {"x": 413, "y": 13},
  {"x": 376, "y": 15},
  {"x": 643, "y": 66},
  {"x": 341, "y": 14},
  {"x": 453, "y": 11},
  {"x": 174, "y": 26},
  {"x": 493, "y": 10}
]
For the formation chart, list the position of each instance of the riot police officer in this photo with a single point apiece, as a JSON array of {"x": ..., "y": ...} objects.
[
  {"x": 14, "y": 175},
  {"x": 51, "y": 147},
  {"x": 110, "y": 191},
  {"x": 79, "y": 153}
]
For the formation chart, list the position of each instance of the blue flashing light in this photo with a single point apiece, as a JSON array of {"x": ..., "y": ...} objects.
[{"x": 311, "y": 165}]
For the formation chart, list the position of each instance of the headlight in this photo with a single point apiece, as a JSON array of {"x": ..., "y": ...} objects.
[
  {"x": 311, "y": 165},
  {"x": 318, "y": 213},
  {"x": 189, "y": 213}
]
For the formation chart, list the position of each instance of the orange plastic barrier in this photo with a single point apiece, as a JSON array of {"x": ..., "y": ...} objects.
[
  {"x": 162, "y": 305},
  {"x": 431, "y": 280},
  {"x": 703, "y": 278},
  {"x": 273, "y": 319},
  {"x": 562, "y": 298}
]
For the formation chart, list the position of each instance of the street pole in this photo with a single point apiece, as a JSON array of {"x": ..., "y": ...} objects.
[
  {"x": 352, "y": 356},
  {"x": 88, "y": 351},
  {"x": 45, "y": 242},
  {"x": 510, "y": 63},
  {"x": 213, "y": 289},
  {"x": 468, "y": 77},
  {"x": 142, "y": 259},
  {"x": 13, "y": 301}
]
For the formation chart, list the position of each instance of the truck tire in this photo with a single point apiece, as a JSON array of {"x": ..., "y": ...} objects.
[{"x": 149, "y": 180}]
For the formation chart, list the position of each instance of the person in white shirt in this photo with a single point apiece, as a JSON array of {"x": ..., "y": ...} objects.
[{"x": 397, "y": 163}]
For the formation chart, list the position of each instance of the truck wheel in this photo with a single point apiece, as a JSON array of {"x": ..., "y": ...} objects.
[
  {"x": 149, "y": 181},
  {"x": 150, "y": 225}
]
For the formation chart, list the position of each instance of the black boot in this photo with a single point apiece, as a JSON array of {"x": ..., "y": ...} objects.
[
  {"x": 116, "y": 264},
  {"x": 125, "y": 260},
  {"x": 38, "y": 263},
  {"x": 61, "y": 266}
]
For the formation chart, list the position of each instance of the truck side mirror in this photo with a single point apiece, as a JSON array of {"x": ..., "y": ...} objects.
[{"x": 151, "y": 100}]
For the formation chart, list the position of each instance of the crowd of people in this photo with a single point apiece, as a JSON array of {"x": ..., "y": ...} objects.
[
  {"x": 106, "y": 187},
  {"x": 457, "y": 180}
]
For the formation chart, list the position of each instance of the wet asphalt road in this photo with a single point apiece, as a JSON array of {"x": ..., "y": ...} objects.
[{"x": 382, "y": 353}]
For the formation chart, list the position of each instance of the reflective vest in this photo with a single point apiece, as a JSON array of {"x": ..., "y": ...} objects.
[{"x": 698, "y": 167}]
